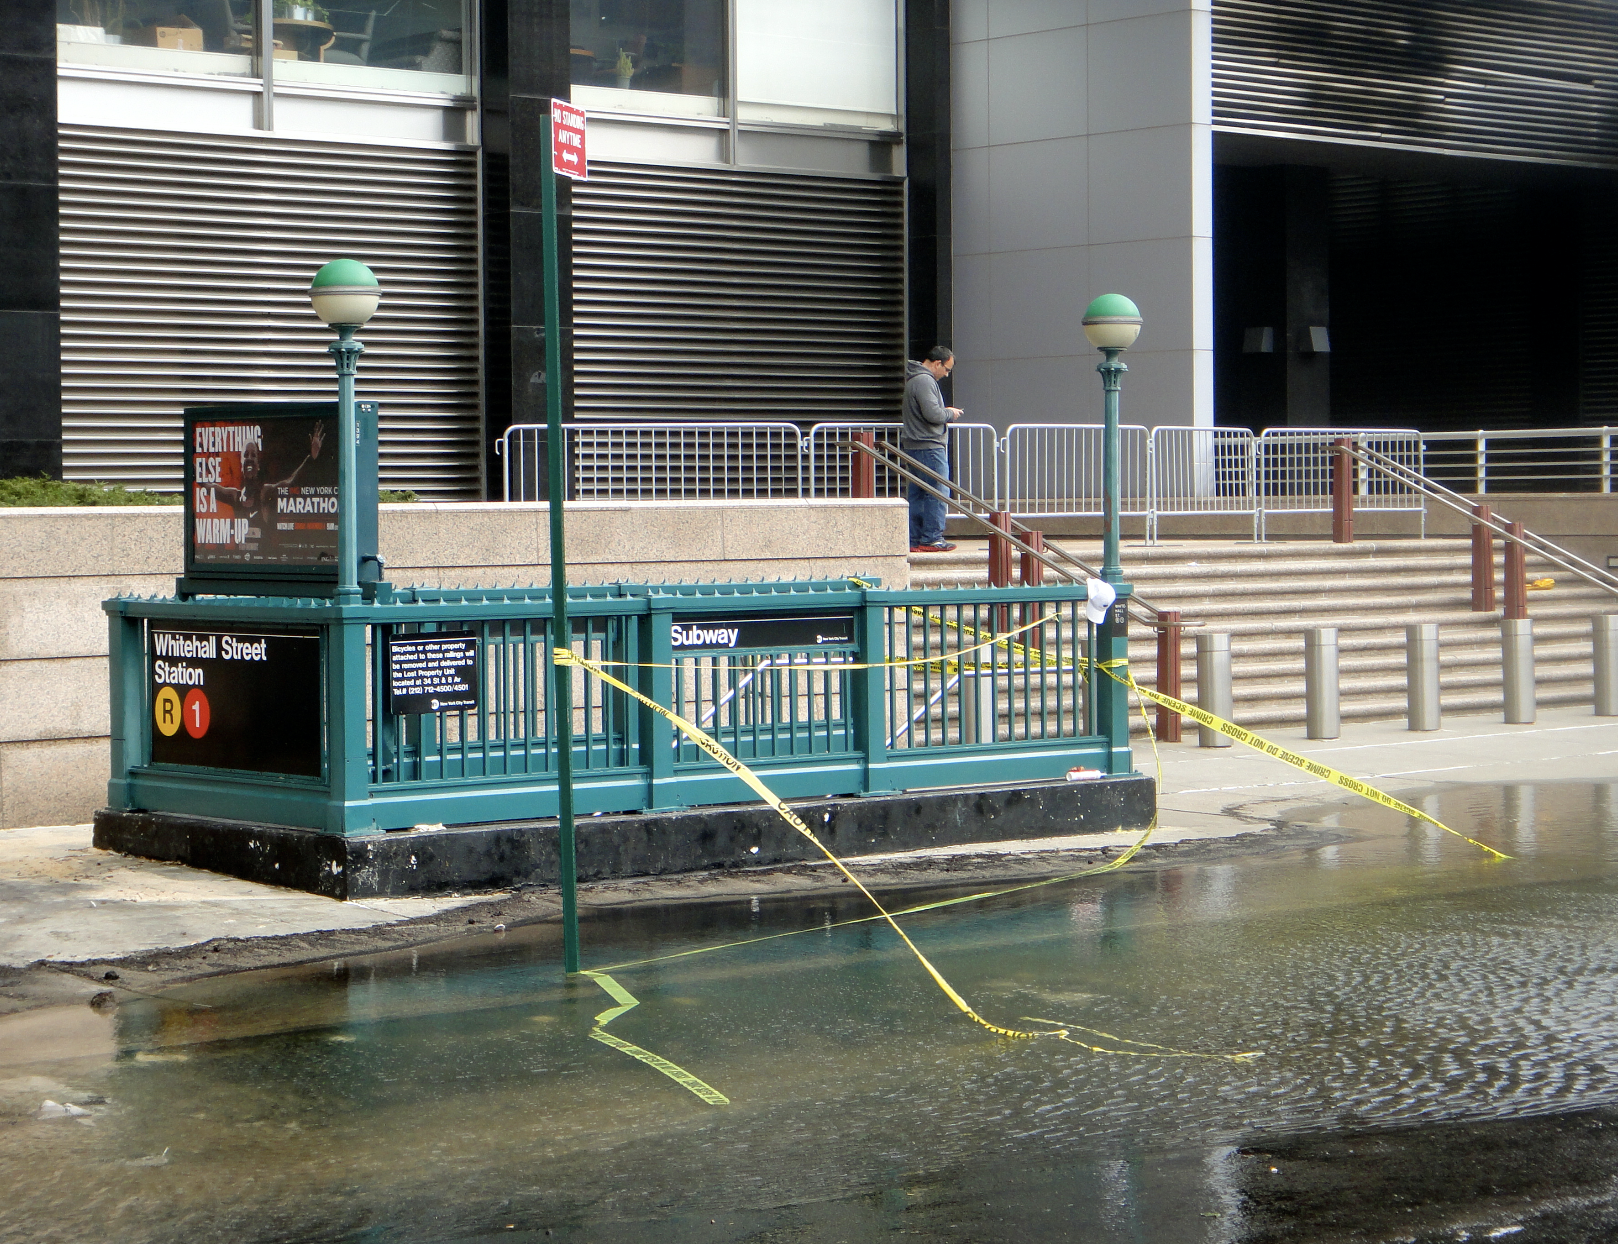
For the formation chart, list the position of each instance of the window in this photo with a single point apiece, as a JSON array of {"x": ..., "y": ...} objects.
[
  {"x": 652, "y": 56},
  {"x": 832, "y": 62},
  {"x": 402, "y": 45}
]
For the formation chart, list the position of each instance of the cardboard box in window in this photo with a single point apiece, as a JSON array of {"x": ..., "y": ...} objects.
[{"x": 180, "y": 33}]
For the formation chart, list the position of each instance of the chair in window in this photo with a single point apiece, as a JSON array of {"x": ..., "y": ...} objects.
[
  {"x": 222, "y": 29},
  {"x": 352, "y": 47},
  {"x": 434, "y": 51}
]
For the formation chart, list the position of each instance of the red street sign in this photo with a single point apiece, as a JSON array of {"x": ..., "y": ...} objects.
[{"x": 567, "y": 141}]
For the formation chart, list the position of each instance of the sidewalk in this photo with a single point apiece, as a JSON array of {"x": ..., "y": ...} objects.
[{"x": 63, "y": 900}]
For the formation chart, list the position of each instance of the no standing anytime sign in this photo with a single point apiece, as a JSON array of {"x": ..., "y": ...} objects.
[{"x": 567, "y": 141}]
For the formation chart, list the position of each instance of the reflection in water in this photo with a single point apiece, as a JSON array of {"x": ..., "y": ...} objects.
[{"x": 450, "y": 1092}]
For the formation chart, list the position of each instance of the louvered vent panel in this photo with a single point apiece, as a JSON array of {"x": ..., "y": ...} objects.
[
  {"x": 185, "y": 268},
  {"x": 1518, "y": 77},
  {"x": 719, "y": 294}
]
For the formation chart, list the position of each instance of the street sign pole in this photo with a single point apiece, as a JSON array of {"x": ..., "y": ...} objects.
[{"x": 561, "y": 635}]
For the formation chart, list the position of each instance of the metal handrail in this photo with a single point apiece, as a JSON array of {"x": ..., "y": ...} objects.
[
  {"x": 1533, "y": 542},
  {"x": 898, "y": 461}
]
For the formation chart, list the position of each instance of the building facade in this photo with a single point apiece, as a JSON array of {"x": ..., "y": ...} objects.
[{"x": 1329, "y": 212}]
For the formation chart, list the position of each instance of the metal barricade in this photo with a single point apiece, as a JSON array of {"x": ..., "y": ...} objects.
[
  {"x": 675, "y": 461},
  {"x": 1536, "y": 460},
  {"x": 521, "y": 450},
  {"x": 1055, "y": 469},
  {"x": 1294, "y": 466},
  {"x": 1201, "y": 471},
  {"x": 974, "y": 459}
]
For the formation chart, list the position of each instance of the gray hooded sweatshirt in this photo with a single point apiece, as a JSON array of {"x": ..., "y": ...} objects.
[{"x": 926, "y": 417}]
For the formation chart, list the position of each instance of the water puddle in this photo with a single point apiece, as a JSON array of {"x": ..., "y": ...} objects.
[{"x": 1394, "y": 979}]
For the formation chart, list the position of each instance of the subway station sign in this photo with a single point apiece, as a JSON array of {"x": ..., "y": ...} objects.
[
  {"x": 781, "y": 634},
  {"x": 236, "y": 698}
]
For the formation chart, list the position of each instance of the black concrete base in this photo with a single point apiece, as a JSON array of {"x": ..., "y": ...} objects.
[{"x": 492, "y": 857}]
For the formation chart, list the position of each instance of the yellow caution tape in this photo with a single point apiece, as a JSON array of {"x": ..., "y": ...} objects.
[
  {"x": 627, "y": 1002},
  {"x": 1325, "y": 772},
  {"x": 1542, "y": 585},
  {"x": 565, "y": 656}
]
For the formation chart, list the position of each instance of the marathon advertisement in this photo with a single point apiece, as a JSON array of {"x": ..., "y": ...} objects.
[
  {"x": 263, "y": 491},
  {"x": 236, "y": 698}
]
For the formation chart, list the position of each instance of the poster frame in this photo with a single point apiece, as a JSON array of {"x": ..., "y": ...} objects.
[{"x": 213, "y": 579}]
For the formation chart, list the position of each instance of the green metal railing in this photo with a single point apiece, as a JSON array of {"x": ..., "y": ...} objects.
[{"x": 887, "y": 703}]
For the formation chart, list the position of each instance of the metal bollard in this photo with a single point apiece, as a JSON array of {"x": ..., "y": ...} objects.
[
  {"x": 1213, "y": 684},
  {"x": 979, "y": 704},
  {"x": 1322, "y": 704},
  {"x": 1604, "y": 631},
  {"x": 1421, "y": 676},
  {"x": 1517, "y": 669}
]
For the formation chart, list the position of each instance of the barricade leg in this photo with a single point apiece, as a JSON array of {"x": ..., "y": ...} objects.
[
  {"x": 1425, "y": 711},
  {"x": 1517, "y": 669},
  {"x": 1213, "y": 684},
  {"x": 1482, "y": 561},
  {"x": 1168, "y": 673},
  {"x": 1604, "y": 628},
  {"x": 1322, "y": 704}
]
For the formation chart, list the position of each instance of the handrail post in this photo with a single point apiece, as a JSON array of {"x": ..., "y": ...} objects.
[
  {"x": 1342, "y": 493},
  {"x": 1516, "y": 602},
  {"x": 1000, "y": 550},
  {"x": 864, "y": 474},
  {"x": 1168, "y": 673},
  {"x": 1032, "y": 574},
  {"x": 1482, "y": 560}
]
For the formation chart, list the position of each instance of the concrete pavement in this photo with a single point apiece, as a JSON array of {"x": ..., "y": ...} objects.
[{"x": 63, "y": 900}]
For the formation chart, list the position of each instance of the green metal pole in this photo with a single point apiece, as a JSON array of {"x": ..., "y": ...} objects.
[
  {"x": 346, "y": 351},
  {"x": 1112, "y": 373},
  {"x": 561, "y": 635}
]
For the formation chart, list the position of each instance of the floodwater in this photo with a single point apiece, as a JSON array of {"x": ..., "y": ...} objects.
[{"x": 1401, "y": 986}]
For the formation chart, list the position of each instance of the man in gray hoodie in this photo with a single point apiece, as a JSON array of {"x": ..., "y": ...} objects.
[{"x": 924, "y": 439}]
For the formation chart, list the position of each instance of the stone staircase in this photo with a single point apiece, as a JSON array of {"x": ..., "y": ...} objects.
[{"x": 1267, "y": 595}]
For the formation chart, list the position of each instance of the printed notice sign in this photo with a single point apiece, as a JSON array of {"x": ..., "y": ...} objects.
[
  {"x": 236, "y": 699},
  {"x": 773, "y": 634},
  {"x": 567, "y": 141},
  {"x": 432, "y": 673},
  {"x": 264, "y": 491}
]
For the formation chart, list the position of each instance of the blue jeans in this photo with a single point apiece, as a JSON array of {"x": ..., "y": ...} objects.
[{"x": 926, "y": 510}]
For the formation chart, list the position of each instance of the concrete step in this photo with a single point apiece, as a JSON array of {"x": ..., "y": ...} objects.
[{"x": 1267, "y": 595}]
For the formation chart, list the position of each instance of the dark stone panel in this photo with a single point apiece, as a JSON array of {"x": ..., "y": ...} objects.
[
  {"x": 528, "y": 374},
  {"x": 28, "y": 118},
  {"x": 30, "y": 380},
  {"x": 538, "y": 39},
  {"x": 28, "y": 249},
  {"x": 492, "y": 857},
  {"x": 929, "y": 241},
  {"x": 30, "y": 27},
  {"x": 495, "y": 61},
  {"x": 31, "y": 457}
]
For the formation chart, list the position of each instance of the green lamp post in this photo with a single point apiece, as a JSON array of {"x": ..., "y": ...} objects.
[
  {"x": 345, "y": 294},
  {"x": 1111, "y": 322}
]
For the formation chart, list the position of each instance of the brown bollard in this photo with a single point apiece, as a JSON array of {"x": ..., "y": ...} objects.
[
  {"x": 1168, "y": 672},
  {"x": 1516, "y": 602},
  {"x": 1000, "y": 550},
  {"x": 1482, "y": 561},
  {"x": 1342, "y": 492},
  {"x": 864, "y": 482},
  {"x": 1032, "y": 573}
]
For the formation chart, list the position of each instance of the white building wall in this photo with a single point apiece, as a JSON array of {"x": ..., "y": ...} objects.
[{"x": 1083, "y": 165}]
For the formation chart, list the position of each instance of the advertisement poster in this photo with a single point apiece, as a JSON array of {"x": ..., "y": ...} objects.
[
  {"x": 233, "y": 698},
  {"x": 264, "y": 491}
]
